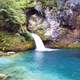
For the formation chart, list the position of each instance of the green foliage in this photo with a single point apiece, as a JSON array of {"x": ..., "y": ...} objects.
[
  {"x": 8, "y": 22},
  {"x": 27, "y": 35},
  {"x": 25, "y": 3},
  {"x": 13, "y": 19},
  {"x": 16, "y": 4},
  {"x": 13, "y": 10}
]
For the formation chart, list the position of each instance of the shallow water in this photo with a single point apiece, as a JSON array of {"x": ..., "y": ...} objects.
[{"x": 63, "y": 64}]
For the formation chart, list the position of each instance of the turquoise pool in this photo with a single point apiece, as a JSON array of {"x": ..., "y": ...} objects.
[{"x": 63, "y": 64}]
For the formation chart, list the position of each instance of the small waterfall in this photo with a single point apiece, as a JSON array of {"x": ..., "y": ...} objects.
[
  {"x": 39, "y": 44},
  {"x": 38, "y": 41}
]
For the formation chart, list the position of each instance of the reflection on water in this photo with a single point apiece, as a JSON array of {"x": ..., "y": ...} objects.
[
  {"x": 38, "y": 56},
  {"x": 33, "y": 65}
]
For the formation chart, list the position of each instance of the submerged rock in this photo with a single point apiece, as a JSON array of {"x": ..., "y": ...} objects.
[
  {"x": 11, "y": 52},
  {"x": 6, "y": 53},
  {"x": 3, "y": 77}
]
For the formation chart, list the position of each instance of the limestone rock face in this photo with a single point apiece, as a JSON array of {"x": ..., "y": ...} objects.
[
  {"x": 57, "y": 30},
  {"x": 46, "y": 28},
  {"x": 38, "y": 25}
]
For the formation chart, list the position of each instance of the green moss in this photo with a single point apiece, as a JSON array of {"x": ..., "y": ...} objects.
[
  {"x": 63, "y": 45},
  {"x": 27, "y": 35},
  {"x": 49, "y": 3},
  {"x": 74, "y": 45}
]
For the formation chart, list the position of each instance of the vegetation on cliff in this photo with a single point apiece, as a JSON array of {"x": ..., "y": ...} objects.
[
  {"x": 12, "y": 24},
  {"x": 12, "y": 14}
]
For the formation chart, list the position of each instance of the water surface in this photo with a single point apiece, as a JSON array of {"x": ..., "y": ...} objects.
[{"x": 63, "y": 64}]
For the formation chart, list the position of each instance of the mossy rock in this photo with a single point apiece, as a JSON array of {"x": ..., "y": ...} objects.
[
  {"x": 74, "y": 45},
  {"x": 14, "y": 42}
]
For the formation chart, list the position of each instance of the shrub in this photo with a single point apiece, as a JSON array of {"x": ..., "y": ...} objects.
[{"x": 12, "y": 16}]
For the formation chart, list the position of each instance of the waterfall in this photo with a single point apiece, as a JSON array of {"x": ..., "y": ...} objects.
[
  {"x": 38, "y": 41},
  {"x": 39, "y": 44}
]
